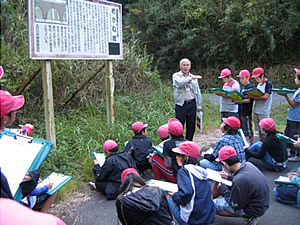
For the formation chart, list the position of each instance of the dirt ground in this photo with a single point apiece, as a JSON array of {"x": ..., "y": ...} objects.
[{"x": 65, "y": 207}]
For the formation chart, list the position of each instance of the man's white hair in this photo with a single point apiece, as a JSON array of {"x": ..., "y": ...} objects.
[{"x": 183, "y": 60}]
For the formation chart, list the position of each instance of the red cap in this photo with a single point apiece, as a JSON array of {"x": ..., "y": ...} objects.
[
  {"x": 232, "y": 121},
  {"x": 226, "y": 152},
  {"x": 138, "y": 126},
  {"x": 1, "y": 71},
  {"x": 128, "y": 171},
  {"x": 297, "y": 71},
  {"x": 225, "y": 72},
  {"x": 244, "y": 73},
  {"x": 175, "y": 127},
  {"x": 257, "y": 71},
  {"x": 109, "y": 144},
  {"x": 268, "y": 124},
  {"x": 188, "y": 148},
  {"x": 163, "y": 131},
  {"x": 9, "y": 103}
]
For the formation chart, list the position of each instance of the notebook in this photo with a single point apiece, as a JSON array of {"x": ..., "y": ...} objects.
[
  {"x": 283, "y": 90},
  {"x": 254, "y": 92}
]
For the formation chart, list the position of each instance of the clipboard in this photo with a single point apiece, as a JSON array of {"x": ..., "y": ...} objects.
[
  {"x": 164, "y": 185},
  {"x": 215, "y": 175},
  {"x": 241, "y": 133},
  {"x": 285, "y": 138},
  {"x": 158, "y": 150},
  {"x": 283, "y": 180},
  {"x": 283, "y": 90},
  {"x": 100, "y": 157},
  {"x": 58, "y": 181},
  {"x": 18, "y": 155}
]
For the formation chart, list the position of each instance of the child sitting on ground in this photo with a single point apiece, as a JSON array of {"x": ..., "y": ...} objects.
[
  {"x": 36, "y": 197},
  {"x": 139, "y": 146},
  {"x": 193, "y": 203},
  {"x": 108, "y": 176},
  {"x": 140, "y": 204},
  {"x": 271, "y": 151}
]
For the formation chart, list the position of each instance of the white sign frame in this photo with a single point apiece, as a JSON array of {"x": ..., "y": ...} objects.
[{"x": 74, "y": 29}]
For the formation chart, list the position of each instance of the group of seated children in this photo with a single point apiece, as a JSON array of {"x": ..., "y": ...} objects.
[{"x": 195, "y": 202}]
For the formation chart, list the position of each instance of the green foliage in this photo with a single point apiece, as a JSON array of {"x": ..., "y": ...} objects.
[{"x": 236, "y": 34}]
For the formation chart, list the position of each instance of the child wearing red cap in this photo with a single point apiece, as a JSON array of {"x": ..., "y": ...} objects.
[
  {"x": 193, "y": 203},
  {"x": 249, "y": 195},
  {"x": 160, "y": 170},
  {"x": 167, "y": 167},
  {"x": 140, "y": 204},
  {"x": 271, "y": 151},
  {"x": 8, "y": 106},
  {"x": 227, "y": 106},
  {"x": 292, "y": 129},
  {"x": 245, "y": 106},
  {"x": 262, "y": 104},
  {"x": 108, "y": 176},
  {"x": 139, "y": 146},
  {"x": 229, "y": 127}
]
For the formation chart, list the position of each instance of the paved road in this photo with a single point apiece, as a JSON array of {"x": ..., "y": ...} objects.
[
  {"x": 276, "y": 100},
  {"x": 99, "y": 211}
]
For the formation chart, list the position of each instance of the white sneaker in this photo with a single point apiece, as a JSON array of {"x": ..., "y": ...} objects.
[
  {"x": 92, "y": 185},
  {"x": 294, "y": 158}
]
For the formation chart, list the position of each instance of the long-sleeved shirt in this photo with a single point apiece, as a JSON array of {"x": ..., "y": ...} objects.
[
  {"x": 249, "y": 191},
  {"x": 180, "y": 83}
]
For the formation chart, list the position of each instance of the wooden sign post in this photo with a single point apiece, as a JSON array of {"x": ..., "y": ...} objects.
[{"x": 48, "y": 102}]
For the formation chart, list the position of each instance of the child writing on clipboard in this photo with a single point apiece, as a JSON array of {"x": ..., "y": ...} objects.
[{"x": 36, "y": 197}]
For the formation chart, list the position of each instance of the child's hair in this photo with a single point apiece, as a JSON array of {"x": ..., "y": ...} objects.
[
  {"x": 232, "y": 160},
  {"x": 130, "y": 181},
  {"x": 261, "y": 75},
  {"x": 298, "y": 77},
  {"x": 140, "y": 132},
  {"x": 230, "y": 130},
  {"x": 174, "y": 136},
  {"x": 190, "y": 160}
]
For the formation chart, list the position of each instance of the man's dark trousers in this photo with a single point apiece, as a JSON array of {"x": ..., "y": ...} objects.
[{"x": 187, "y": 114}]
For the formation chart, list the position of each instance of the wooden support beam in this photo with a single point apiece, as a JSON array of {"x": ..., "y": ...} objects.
[
  {"x": 68, "y": 99},
  {"x": 28, "y": 81},
  {"x": 110, "y": 87}
]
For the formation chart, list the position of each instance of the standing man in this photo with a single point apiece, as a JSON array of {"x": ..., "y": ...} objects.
[{"x": 187, "y": 95}]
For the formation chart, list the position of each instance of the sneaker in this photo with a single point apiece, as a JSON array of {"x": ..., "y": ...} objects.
[
  {"x": 294, "y": 158},
  {"x": 92, "y": 185},
  {"x": 252, "y": 220}
]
